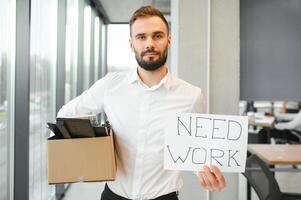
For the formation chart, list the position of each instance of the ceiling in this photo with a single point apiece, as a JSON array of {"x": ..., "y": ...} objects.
[{"x": 120, "y": 11}]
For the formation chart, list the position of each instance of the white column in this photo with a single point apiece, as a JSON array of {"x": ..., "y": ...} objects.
[
  {"x": 205, "y": 52},
  {"x": 189, "y": 41},
  {"x": 224, "y": 71}
]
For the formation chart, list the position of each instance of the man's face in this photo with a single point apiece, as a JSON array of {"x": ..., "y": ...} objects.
[{"x": 150, "y": 42}]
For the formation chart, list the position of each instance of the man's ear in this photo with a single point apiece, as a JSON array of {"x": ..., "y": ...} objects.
[
  {"x": 169, "y": 40},
  {"x": 131, "y": 44}
]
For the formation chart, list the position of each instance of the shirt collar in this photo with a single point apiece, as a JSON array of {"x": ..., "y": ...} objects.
[{"x": 166, "y": 81}]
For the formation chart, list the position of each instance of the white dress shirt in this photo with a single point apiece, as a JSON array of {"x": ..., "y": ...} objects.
[
  {"x": 294, "y": 124},
  {"x": 137, "y": 113}
]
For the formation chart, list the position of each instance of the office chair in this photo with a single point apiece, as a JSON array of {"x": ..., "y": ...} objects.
[
  {"x": 297, "y": 134},
  {"x": 264, "y": 183}
]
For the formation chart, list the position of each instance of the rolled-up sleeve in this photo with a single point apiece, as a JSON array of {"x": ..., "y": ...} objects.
[{"x": 90, "y": 101}]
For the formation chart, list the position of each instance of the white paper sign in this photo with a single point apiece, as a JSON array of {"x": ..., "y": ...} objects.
[{"x": 193, "y": 140}]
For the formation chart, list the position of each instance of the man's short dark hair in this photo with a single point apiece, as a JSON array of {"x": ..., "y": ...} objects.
[{"x": 147, "y": 11}]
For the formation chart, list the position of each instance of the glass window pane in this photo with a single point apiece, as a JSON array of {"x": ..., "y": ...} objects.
[
  {"x": 7, "y": 66},
  {"x": 71, "y": 49},
  {"x": 42, "y": 93},
  {"x": 96, "y": 48},
  {"x": 87, "y": 46},
  {"x": 119, "y": 47}
]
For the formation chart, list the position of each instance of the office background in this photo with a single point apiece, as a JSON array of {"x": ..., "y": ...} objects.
[{"x": 52, "y": 50}]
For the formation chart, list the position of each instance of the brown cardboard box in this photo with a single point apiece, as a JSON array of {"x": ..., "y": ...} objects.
[{"x": 81, "y": 159}]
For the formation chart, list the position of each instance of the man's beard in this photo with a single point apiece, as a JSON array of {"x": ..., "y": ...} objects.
[{"x": 151, "y": 65}]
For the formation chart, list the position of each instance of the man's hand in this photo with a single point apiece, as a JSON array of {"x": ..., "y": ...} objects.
[{"x": 213, "y": 179}]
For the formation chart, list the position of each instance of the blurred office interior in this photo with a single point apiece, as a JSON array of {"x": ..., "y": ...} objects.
[{"x": 244, "y": 54}]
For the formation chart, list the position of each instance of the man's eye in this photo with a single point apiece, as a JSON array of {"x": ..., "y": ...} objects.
[
  {"x": 141, "y": 37},
  {"x": 159, "y": 36}
]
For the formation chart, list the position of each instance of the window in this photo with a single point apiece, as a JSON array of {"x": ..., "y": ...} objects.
[
  {"x": 87, "y": 47},
  {"x": 97, "y": 35},
  {"x": 71, "y": 49},
  {"x": 43, "y": 48},
  {"x": 120, "y": 55},
  {"x": 7, "y": 66}
]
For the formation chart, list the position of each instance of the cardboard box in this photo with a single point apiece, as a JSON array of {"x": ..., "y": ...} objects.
[{"x": 81, "y": 159}]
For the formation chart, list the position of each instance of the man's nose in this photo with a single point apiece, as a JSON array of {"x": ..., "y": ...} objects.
[{"x": 149, "y": 43}]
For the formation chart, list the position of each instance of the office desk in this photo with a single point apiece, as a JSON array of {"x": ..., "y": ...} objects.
[
  {"x": 277, "y": 154},
  {"x": 262, "y": 121}
]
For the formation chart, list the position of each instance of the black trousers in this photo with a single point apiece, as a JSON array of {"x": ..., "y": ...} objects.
[{"x": 107, "y": 194}]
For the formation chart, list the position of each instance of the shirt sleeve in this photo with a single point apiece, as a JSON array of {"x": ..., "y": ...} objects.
[
  {"x": 294, "y": 124},
  {"x": 90, "y": 101},
  {"x": 285, "y": 116}
]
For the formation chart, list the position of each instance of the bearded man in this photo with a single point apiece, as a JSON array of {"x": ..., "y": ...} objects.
[{"x": 136, "y": 103}]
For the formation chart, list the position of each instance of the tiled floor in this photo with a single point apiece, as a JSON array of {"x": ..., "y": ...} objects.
[
  {"x": 289, "y": 182},
  {"x": 84, "y": 191}
]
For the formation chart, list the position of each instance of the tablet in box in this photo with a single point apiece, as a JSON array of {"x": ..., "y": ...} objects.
[
  {"x": 81, "y": 159},
  {"x": 77, "y": 128},
  {"x": 62, "y": 128}
]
